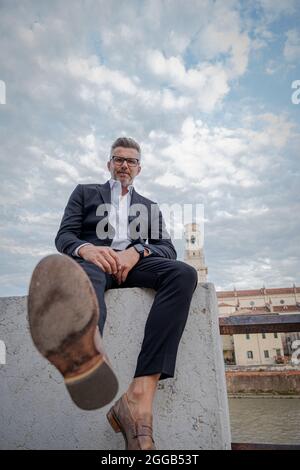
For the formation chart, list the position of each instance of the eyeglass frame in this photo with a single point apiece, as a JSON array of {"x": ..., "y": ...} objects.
[{"x": 137, "y": 160}]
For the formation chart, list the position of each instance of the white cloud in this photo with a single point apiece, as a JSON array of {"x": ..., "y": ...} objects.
[
  {"x": 100, "y": 75},
  {"x": 170, "y": 74},
  {"x": 291, "y": 50},
  {"x": 89, "y": 157},
  {"x": 46, "y": 218},
  {"x": 273, "y": 9},
  {"x": 29, "y": 250},
  {"x": 273, "y": 67},
  {"x": 210, "y": 157},
  {"x": 207, "y": 83},
  {"x": 59, "y": 165},
  {"x": 222, "y": 35},
  {"x": 171, "y": 180}
]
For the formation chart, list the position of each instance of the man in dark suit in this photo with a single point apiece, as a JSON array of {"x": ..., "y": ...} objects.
[{"x": 119, "y": 239}]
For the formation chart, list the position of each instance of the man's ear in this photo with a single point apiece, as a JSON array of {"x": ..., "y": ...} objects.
[
  {"x": 108, "y": 165},
  {"x": 139, "y": 170}
]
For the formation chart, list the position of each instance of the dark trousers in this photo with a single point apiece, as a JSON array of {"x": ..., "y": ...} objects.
[{"x": 174, "y": 283}]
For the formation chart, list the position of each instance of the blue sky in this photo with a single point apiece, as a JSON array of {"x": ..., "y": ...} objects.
[{"x": 204, "y": 86}]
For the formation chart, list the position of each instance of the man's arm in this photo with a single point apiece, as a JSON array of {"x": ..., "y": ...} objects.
[
  {"x": 68, "y": 239},
  {"x": 68, "y": 235},
  {"x": 159, "y": 240}
]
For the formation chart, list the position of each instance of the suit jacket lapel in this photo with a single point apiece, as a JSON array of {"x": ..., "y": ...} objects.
[
  {"x": 105, "y": 192},
  {"x": 142, "y": 226},
  {"x": 135, "y": 199}
]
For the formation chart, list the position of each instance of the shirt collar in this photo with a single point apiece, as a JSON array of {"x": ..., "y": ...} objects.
[{"x": 113, "y": 182}]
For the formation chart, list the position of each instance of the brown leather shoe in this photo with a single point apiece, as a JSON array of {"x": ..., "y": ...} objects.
[
  {"x": 137, "y": 433},
  {"x": 63, "y": 317}
]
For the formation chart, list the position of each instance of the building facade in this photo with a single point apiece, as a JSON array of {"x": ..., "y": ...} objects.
[
  {"x": 253, "y": 349},
  {"x": 259, "y": 349}
]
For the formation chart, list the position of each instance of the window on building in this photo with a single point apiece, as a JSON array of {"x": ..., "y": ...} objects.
[
  {"x": 250, "y": 354},
  {"x": 278, "y": 352},
  {"x": 275, "y": 335},
  {"x": 263, "y": 335},
  {"x": 266, "y": 353}
]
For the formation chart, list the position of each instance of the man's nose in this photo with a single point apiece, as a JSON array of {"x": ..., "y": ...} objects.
[{"x": 125, "y": 163}]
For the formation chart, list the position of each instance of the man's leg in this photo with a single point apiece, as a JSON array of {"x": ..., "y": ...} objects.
[
  {"x": 175, "y": 283},
  {"x": 101, "y": 282}
]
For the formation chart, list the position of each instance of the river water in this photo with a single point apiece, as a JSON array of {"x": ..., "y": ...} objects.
[{"x": 265, "y": 420}]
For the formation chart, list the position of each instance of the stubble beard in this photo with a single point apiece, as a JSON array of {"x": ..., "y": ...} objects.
[{"x": 125, "y": 182}]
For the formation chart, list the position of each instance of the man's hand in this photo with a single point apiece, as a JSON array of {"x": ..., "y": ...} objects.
[
  {"x": 128, "y": 258},
  {"x": 103, "y": 256}
]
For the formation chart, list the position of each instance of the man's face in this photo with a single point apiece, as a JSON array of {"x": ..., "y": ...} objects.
[{"x": 124, "y": 172}]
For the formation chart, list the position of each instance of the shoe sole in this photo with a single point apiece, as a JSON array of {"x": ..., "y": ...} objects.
[
  {"x": 116, "y": 425},
  {"x": 63, "y": 315}
]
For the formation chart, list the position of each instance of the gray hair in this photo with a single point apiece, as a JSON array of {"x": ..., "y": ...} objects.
[{"x": 126, "y": 142}]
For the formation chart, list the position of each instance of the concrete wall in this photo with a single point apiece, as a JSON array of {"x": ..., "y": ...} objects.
[
  {"x": 273, "y": 382},
  {"x": 191, "y": 410}
]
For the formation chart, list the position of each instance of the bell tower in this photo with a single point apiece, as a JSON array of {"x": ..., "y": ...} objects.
[{"x": 193, "y": 253}]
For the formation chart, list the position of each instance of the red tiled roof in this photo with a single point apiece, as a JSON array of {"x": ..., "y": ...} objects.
[
  {"x": 258, "y": 292},
  {"x": 264, "y": 310}
]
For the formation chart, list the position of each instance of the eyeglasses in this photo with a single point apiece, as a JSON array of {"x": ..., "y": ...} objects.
[{"x": 120, "y": 160}]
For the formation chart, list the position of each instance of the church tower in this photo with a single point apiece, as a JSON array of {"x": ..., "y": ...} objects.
[{"x": 193, "y": 253}]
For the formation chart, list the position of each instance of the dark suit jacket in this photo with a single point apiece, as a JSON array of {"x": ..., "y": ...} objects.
[{"x": 79, "y": 222}]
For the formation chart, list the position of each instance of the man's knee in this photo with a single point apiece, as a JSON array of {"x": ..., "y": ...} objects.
[
  {"x": 93, "y": 271},
  {"x": 186, "y": 273}
]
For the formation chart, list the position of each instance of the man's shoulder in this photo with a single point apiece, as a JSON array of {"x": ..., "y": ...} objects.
[
  {"x": 90, "y": 186},
  {"x": 144, "y": 199},
  {"x": 86, "y": 187}
]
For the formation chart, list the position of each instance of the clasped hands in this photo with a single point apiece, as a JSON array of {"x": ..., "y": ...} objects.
[{"x": 116, "y": 263}]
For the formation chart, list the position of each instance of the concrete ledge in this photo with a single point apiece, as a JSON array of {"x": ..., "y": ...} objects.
[{"x": 191, "y": 410}]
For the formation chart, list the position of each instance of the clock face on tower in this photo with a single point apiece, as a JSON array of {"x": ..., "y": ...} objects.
[{"x": 193, "y": 241}]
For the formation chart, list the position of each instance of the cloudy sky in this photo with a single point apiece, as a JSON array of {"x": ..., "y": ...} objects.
[{"x": 205, "y": 86}]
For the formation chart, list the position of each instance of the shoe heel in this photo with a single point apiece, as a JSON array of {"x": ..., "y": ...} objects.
[{"x": 113, "y": 422}]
